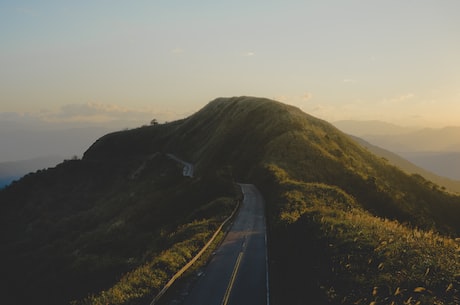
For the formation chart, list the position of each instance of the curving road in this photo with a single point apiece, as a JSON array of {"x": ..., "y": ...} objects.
[
  {"x": 188, "y": 167},
  {"x": 237, "y": 274}
]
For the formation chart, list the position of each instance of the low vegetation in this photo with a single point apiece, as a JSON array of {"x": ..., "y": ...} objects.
[
  {"x": 345, "y": 227},
  {"x": 139, "y": 285},
  {"x": 97, "y": 231},
  {"x": 327, "y": 249}
]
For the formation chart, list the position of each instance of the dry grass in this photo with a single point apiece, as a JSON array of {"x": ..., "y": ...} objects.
[
  {"x": 383, "y": 261},
  {"x": 140, "y": 285},
  {"x": 363, "y": 259}
]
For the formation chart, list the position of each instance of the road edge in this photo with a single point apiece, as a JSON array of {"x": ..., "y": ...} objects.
[{"x": 196, "y": 257}]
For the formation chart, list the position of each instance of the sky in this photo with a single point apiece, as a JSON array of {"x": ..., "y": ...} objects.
[{"x": 94, "y": 61}]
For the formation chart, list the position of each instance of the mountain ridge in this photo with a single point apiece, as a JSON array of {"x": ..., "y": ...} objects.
[{"x": 334, "y": 210}]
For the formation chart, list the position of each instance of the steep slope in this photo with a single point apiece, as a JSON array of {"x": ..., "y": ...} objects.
[
  {"x": 245, "y": 135},
  {"x": 326, "y": 198},
  {"x": 320, "y": 184},
  {"x": 342, "y": 220},
  {"x": 122, "y": 223}
]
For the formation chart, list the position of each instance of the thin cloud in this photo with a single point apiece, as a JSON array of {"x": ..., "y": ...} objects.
[
  {"x": 300, "y": 101},
  {"x": 307, "y": 96},
  {"x": 27, "y": 11},
  {"x": 91, "y": 109},
  {"x": 12, "y": 116},
  {"x": 281, "y": 98},
  {"x": 400, "y": 98},
  {"x": 349, "y": 80},
  {"x": 294, "y": 98},
  {"x": 105, "y": 113},
  {"x": 249, "y": 54},
  {"x": 177, "y": 51}
]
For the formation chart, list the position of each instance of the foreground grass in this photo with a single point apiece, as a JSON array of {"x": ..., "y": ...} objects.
[
  {"x": 326, "y": 248},
  {"x": 381, "y": 261},
  {"x": 140, "y": 285}
]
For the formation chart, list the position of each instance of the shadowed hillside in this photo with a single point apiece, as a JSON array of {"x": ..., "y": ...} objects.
[
  {"x": 344, "y": 225},
  {"x": 122, "y": 224}
]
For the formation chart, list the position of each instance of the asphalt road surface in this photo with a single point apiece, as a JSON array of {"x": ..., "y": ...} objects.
[
  {"x": 188, "y": 167},
  {"x": 237, "y": 274}
]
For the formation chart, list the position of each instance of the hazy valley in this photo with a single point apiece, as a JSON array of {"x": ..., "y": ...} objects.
[
  {"x": 30, "y": 144},
  {"x": 14, "y": 170},
  {"x": 435, "y": 150}
]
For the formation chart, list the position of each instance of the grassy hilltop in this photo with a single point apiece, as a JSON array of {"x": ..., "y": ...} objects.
[{"x": 345, "y": 227}]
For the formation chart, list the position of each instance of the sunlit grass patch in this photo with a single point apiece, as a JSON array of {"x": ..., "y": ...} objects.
[
  {"x": 144, "y": 282},
  {"x": 367, "y": 258}
]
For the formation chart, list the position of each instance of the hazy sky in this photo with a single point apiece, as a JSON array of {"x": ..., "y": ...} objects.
[{"x": 393, "y": 60}]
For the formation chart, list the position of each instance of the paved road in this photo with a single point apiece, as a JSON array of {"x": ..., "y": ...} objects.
[
  {"x": 237, "y": 274},
  {"x": 188, "y": 167}
]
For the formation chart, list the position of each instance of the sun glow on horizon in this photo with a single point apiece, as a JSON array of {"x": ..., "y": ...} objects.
[{"x": 393, "y": 61}]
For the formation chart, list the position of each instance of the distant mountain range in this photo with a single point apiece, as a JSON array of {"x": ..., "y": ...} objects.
[
  {"x": 24, "y": 143},
  {"x": 345, "y": 226},
  {"x": 436, "y": 150},
  {"x": 446, "y": 164},
  {"x": 396, "y": 160},
  {"x": 364, "y": 128},
  {"x": 4, "y": 181},
  {"x": 29, "y": 144},
  {"x": 10, "y": 171}
]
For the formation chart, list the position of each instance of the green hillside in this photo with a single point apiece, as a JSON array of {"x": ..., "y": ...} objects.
[
  {"x": 123, "y": 224},
  {"x": 345, "y": 227},
  {"x": 245, "y": 135}
]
